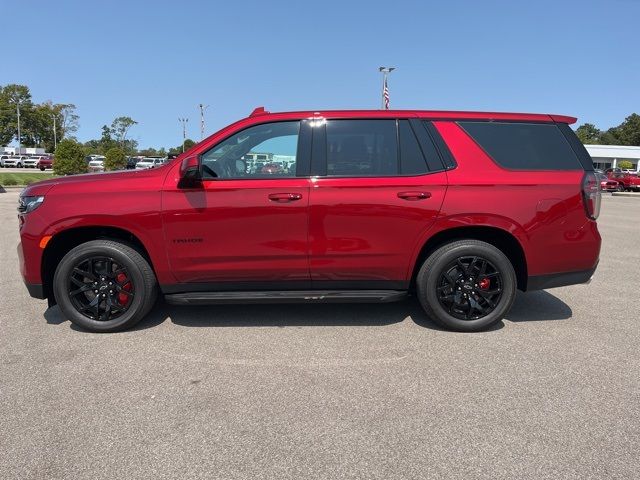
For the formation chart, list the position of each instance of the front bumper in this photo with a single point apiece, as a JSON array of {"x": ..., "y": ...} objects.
[{"x": 36, "y": 290}]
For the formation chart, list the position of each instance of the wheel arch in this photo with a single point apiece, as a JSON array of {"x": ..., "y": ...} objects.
[
  {"x": 62, "y": 242},
  {"x": 506, "y": 242}
]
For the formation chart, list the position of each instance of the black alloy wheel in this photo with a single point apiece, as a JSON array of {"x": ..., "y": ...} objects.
[
  {"x": 100, "y": 288},
  {"x": 466, "y": 285},
  {"x": 105, "y": 285},
  {"x": 469, "y": 288}
]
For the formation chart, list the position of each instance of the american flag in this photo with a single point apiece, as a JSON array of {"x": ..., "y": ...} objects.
[{"x": 385, "y": 95}]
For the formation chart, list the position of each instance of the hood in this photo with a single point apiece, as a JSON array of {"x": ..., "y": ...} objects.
[{"x": 43, "y": 186}]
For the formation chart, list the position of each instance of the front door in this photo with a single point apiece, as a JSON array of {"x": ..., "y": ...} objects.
[{"x": 246, "y": 227}]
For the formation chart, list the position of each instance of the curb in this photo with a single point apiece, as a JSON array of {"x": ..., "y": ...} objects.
[
  {"x": 11, "y": 188},
  {"x": 626, "y": 194}
]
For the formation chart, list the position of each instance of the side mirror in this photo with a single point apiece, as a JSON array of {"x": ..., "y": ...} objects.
[{"x": 190, "y": 173}]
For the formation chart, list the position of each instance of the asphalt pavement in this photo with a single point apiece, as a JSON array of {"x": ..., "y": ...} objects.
[{"x": 329, "y": 391}]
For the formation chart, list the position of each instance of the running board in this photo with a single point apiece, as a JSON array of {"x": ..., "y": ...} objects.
[{"x": 292, "y": 296}]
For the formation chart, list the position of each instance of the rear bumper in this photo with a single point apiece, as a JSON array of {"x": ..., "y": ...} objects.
[{"x": 540, "y": 282}]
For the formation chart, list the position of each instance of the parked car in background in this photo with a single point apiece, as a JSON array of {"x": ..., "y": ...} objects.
[
  {"x": 131, "y": 162},
  {"x": 15, "y": 161},
  {"x": 146, "y": 163},
  {"x": 33, "y": 161},
  {"x": 45, "y": 163},
  {"x": 96, "y": 164},
  {"x": 2, "y": 159},
  {"x": 630, "y": 182},
  {"x": 608, "y": 184},
  {"x": 460, "y": 209},
  {"x": 272, "y": 169}
]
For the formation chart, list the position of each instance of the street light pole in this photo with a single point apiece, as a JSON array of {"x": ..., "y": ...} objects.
[
  {"x": 385, "y": 71},
  {"x": 202, "y": 109},
  {"x": 55, "y": 134},
  {"x": 183, "y": 121},
  {"x": 18, "y": 111}
]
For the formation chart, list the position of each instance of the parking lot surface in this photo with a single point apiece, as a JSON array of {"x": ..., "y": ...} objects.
[{"x": 329, "y": 391}]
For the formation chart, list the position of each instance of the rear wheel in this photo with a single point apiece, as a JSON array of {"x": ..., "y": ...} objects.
[
  {"x": 104, "y": 286},
  {"x": 466, "y": 285}
]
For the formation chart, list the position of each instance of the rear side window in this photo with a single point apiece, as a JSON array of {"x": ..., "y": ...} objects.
[
  {"x": 524, "y": 146},
  {"x": 362, "y": 148}
]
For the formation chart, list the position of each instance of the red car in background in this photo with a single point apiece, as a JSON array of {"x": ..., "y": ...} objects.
[
  {"x": 609, "y": 185},
  {"x": 272, "y": 169},
  {"x": 629, "y": 181},
  {"x": 45, "y": 163}
]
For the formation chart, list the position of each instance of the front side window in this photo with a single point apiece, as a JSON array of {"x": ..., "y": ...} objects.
[
  {"x": 274, "y": 144},
  {"x": 362, "y": 148}
]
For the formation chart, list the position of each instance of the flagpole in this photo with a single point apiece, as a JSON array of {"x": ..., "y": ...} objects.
[{"x": 385, "y": 71}]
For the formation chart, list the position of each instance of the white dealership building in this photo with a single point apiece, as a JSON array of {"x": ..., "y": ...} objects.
[{"x": 608, "y": 156}]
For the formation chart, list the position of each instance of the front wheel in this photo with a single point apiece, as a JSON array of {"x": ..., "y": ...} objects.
[
  {"x": 104, "y": 286},
  {"x": 466, "y": 285}
]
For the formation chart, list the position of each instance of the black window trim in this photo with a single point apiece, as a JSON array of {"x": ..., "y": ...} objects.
[
  {"x": 303, "y": 152},
  {"x": 319, "y": 149},
  {"x": 499, "y": 165}
]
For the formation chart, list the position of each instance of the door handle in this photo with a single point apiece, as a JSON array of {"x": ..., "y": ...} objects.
[
  {"x": 414, "y": 195},
  {"x": 284, "y": 197}
]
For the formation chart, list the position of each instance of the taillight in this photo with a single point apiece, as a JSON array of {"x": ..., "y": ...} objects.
[{"x": 591, "y": 195}]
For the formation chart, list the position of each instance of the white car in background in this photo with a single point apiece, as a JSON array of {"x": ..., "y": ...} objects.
[
  {"x": 16, "y": 161},
  {"x": 149, "y": 163},
  {"x": 32, "y": 162},
  {"x": 96, "y": 164},
  {"x": 2, "y": 159}
]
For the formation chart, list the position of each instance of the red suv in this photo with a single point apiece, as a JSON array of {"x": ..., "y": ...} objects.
[{"x": 459, "y": 209}]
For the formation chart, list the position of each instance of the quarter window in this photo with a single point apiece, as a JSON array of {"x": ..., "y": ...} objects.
[
  {"x": 263, "y": 151},
  {"x": 524, "y": 146}
]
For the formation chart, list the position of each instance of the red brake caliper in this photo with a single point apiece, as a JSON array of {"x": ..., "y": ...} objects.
[
  {"x": 484, "y": 283},
  {"x": 123, "y": 298}
]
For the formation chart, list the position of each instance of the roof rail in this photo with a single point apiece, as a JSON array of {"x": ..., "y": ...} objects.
[{"x": 258, "y": 111}]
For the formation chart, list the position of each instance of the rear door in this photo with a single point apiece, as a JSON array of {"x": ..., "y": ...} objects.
[{"x": 377, "y": 187}]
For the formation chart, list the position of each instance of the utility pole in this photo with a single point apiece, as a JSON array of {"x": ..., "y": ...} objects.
[
  {"x": 18, "y": 111},
  {"x": 183, "y": 121},
  {"x": 202, "y": 109},
  {"x": 55, "y": 134},
  {"x": 385, "y": 89}
]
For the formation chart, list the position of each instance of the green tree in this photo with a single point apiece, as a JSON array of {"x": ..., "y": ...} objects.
[
  {"x": 629, "y": 131},
  {"x": 69, "y": 158},
  {"x": 188, "y": 143},
  {"x": 116, "y": 159},
  {"x": 10, "y": 96},
  {"x": 120, "y": 127},
  {"x": 610, "y": 137},
  {"x": 625, "y": 165},
  {"x": 588, "y": 133}
]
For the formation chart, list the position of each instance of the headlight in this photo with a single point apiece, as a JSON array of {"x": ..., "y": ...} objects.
[{"x": 29, "y": 204}]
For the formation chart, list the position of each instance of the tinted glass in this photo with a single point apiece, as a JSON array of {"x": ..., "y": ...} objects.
[
  {"x": 236, "y": 156},
  {"x": 524, "y": 146},
  {"x": 362, "y": 148},
  {"x": 412, "y": 161}
]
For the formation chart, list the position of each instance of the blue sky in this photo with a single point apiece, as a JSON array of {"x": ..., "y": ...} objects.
[{"x": 156, "y": 60}]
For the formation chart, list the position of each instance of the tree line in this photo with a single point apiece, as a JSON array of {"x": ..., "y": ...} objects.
[
  {"x": 627, "y": 133},
  {"x": 46, "y": 124}
]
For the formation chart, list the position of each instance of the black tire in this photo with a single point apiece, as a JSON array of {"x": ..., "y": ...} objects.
[
  {"x": 434, "y": 284},
  {"x": 143, "y": 289}
]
